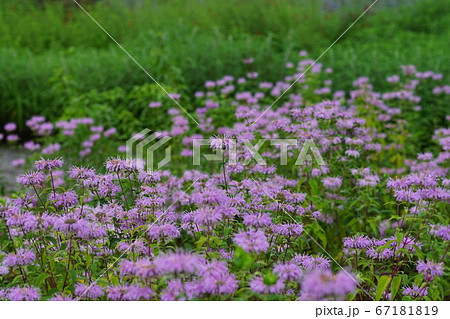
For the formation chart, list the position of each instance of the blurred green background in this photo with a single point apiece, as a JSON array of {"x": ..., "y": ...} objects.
[{"x": 51, "y": 52}]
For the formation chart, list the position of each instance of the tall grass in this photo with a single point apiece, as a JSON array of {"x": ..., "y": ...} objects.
[{"x": 184, "y": 43}]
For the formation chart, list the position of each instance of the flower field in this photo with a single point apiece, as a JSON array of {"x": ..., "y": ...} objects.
[
  {"x": 369, "y": 223},
  {"x": 297, "y": 191}
]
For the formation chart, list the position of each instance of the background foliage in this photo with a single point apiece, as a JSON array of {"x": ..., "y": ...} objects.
[{"x": 51, "y": 51}]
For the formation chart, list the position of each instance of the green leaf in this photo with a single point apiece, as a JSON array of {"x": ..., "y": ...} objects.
[
  {"x": 418, "y": 251},
  {"x": 383, "y": 282},
  {"x": 395, "y": 285},
  {"x": 270, "y": 278},
  {"x": 242, "y": 259},
  {"x": 399, "y": 238},
  {"x": 114, "y": 280},
  {"x": 40, "y": 279},
  {"x": 201, "y": 242},
  {"x": 52, "y": 240}
]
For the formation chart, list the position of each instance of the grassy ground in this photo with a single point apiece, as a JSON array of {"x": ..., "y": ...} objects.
[{"x": 49, "y": 54}]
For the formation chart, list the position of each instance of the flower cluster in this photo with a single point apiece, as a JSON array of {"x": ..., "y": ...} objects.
[{"x": 352, "y": 203}]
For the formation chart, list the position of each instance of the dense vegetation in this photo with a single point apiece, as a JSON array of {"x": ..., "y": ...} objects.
[
  {"x": 357, "y": 210},
  {"x": 48, "y": 55}
]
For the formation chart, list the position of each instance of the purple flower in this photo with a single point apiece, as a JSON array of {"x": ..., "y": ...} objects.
[
  {"x": 21, "y": 258},
  {"x": 92, "y": 291},
  {"x": 154, "y": 104},
  {"x": 143, "y": 268},
  {"x": 257, "y": 220},
  {"x": 149, "y": 177},
  {"x": 12, "y": 138},
  {"x": 178, "y": 263},
  {"x": 61, "y": 297},
  {"x": 81, "y": 173},
  {"x": 441, "y": 231},
  {"x": 415, "y": 291},
  {"x": 430, "y": 269},
  {"x": 257, "y": 285},
  {"x": 9, "y": 127},
  {"x": 66, "y": 199},
  {"x": 368, "y": 180},
  {"x": 32, "y": 179},
  {"x": 23, "y": 294},
  {"x": 252, "y": 241},
  {"x": 180, "y": 290},
  {"x": 129, "y": 292},
  {"x": 310, "y": 262},
  {"x": 320, "y": 284},
  {"x": 18, "y": 162},
  {"x": 207, "y": 217},
  {"x": 332, "y": 182},
  {"x": 288, "y": 271},
  {"x": 163, "y": 231},
  {"x": 4, "y": 270},
  {"x": 293, "y": 230},
  {"x": 220, "y": 142},
  {"x": 357, "y": 242},
  {"x": 116, "y": 165},
  {"x": 96, "y": 129},
  {"x": 110, "y": 132},
  {"x": 50, "y": 149},
  {"x": 219, "y": 283}
]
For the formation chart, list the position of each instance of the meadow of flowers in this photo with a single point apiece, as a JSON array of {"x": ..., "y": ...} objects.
[{"x": 370, "y": 223}]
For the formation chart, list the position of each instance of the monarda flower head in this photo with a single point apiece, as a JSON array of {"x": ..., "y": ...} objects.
[
  {"x": 149, "y": 177},
  {"x": 167, "y": 231},
  {"x": 257, "y": 220},
  {"x": 116, "y": 165},
  {"x": 219, "y": 283},
  {"x": 293, "y": 230},
  {"x": 310, "y": 262},
  {"x": 129, "y": 293},
  {"x": 81, "y": 173},
  {"x": 178, "y": 263},
  {"x": 92, "y": 291},
  {"x": 4, "y": 270},
  {"x": 21, "y": 258},
  {"x": 66, "y": 199},
  {"x": 143, "y": 268},
  {"x": 207, "y": 217},
  {"x": 252, "y": 241},
  {"x": 332, "y": 182},
  {"x": 430, "y": 269},
  {"x": 323, "y": 284},
  {"x": 221, "y": 142},
  {"x": 48, "y": 164},
  {"x": 258, "y": 285},
  {"x": 415, "y": 291},
  {"x": 61, "y": 297},
  {"x": 441, "y": 231},
  {"x": 288, "y": 271},
  {"x": 357, "y": 242},
  {"x": 23, "y": 294},
  {"x": 32, "y": 179}
]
